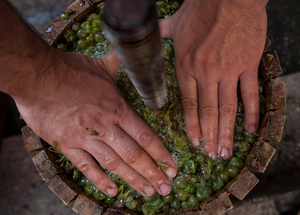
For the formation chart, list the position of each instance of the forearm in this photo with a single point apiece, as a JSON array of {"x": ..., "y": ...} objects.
[{"x": 23, "y": 52}]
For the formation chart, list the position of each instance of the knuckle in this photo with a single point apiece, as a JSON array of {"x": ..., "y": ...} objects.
[
  {"x": 133, "y": 155},
  {"x": 208, "y": 112},
  {"x": 119, "y": 108},
  {"x": 145, "y": 139},
  {"x": 251, "y": 95},
  {"x": 83, "y": 166},
  {"x": 184, "y": 63},
  {"x": 210, "y": 142},
  {"x": 189, "y": 103},
  {"x": 111, "y": 163},
  {"x": 228, "y": 109}
]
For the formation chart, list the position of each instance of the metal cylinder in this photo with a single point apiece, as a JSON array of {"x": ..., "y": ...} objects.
[{"x": 131, "y": 26}]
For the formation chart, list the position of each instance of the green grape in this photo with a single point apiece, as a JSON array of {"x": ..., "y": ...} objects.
[
  {"x": 175, "y": 204},
  {"x": 179, "y": 182},
  {"x": 193, "y": 200},
  {"x": 148, "y": 209},
  {"x": 182, "y": 195},
  {"x": 62, "y": 47},
  {"x": 184, "y": 204},
  {"x": 89, "y": 189},
  {"x": 99, "y": 195},
  {"x": 232, "y": 171},
  {"x": 110, "y": 200},
  {"x": 223, "y": 176},
  {"x": 76, "y": 26},
  {"x": 169, "y": 198},
  {"x": 64, "y": 15},
  {"x": 77, "y": 175},
  {"x": 82, "y": 34}
]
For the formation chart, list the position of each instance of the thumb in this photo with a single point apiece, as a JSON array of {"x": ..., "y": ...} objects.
[
  {"x": 166, "y": 27},
  {"x": 111, "y": 63}
]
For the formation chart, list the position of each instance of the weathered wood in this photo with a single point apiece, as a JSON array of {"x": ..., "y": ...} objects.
[
  {"x": 77, "y": 11},
  {"x": 270, "y": 67},
  {"x": 259, "y": 156},
  {"x": 189, "y": 211},
  {"x": 268, "y": 43},
  {"x": 219, "y": 203},
  {"x": 31, "y": 141},
  {"x": 275, "y": 96},
  {"x": 119, "y": 211},
  {"x": 242, "y": 184},
  {"x": 84, "y": 205},
  {"x": 45, "y": 164},
  {"x": 64, "y": 188},
  {"x": 271, "y": 127}
]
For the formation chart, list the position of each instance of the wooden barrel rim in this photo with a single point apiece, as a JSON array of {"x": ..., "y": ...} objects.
[{"x": 270, "y": 131}]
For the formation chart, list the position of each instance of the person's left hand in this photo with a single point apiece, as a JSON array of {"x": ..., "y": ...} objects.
[{"x": 217, "y": 43}]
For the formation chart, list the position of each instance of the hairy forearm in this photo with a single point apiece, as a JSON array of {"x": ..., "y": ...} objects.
[{"x": 23, "y": 53}]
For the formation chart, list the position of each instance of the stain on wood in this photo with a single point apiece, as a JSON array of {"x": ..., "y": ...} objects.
[{"x": 259, "y": 156}]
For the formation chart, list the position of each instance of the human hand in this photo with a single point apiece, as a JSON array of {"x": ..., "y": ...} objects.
[
  {"x": 76, "y": 103},
  {"x": 217, "y": 43}
]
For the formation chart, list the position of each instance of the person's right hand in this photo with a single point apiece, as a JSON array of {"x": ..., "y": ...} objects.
[{"x": 76, "y": 103}]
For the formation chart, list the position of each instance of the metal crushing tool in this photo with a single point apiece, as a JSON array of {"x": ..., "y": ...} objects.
[{"x": 131, "y": 26}]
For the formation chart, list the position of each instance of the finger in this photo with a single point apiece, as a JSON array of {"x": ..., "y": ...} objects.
[
  {"x": 111, "y": 63},
  {"x": 138, "y": 159},
  {"x": 109, "y": 160},
  {"x": 227, "y": 113},
  {"x": 250, "y": 97},
  {"x": 166, "y": 27},
  {"x": 189, "y": 101},
  {"x": 86, "y": 164},
  {"x": 208, "y": 114},
  {"x": 135, "y": 127}
]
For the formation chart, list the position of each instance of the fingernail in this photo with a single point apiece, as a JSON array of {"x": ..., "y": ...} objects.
[
  {"x": 112, "y": 192},
  {"x": 213, "y": 155},
  {"x": 165, "y": 189},
  {"x": 195, "y": 142},
  {"x": 225, "y": 153},
  {"x": 252, "y": 129},
  {"x": 171, "y": 173},
  {"x": 148, "y": 190}
]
